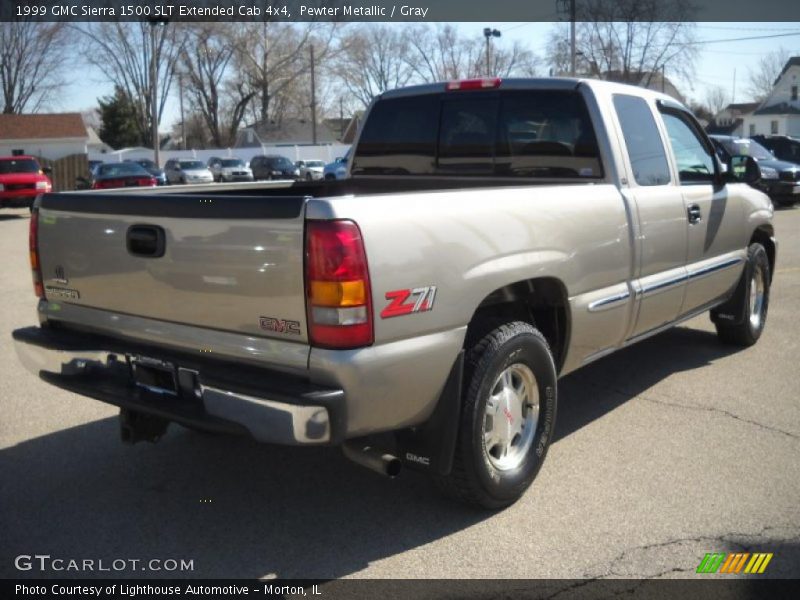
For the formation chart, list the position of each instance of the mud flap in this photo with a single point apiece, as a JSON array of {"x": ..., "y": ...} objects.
[
  {"x": 733, "y": 311},
  {"x": 430, "y": 447}
]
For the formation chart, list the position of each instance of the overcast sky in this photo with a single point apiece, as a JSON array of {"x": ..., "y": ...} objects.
[{"x": 715, "y": 66}]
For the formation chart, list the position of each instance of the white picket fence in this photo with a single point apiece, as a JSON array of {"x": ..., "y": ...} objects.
[{"x": 324, "y": 152}]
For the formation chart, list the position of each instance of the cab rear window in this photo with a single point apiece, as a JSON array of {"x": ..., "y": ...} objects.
[{"x": 537, "y": 133}]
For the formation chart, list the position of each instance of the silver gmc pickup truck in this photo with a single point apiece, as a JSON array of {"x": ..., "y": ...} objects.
[{"x": 491, "y": 236}]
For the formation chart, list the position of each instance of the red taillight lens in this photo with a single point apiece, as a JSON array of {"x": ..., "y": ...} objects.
[
  {"x": 151, "y": 182},
  {"x": 33, "y": 248},
  {"x": 338, "y": 299},
  {"x": 473, "y": 84}
]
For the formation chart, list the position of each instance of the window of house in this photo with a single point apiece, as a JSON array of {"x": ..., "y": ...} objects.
[
  {"x": 794, "y": 92},
  {"x": 773, "y": 127},
  {"x": 752, "y": 130}
]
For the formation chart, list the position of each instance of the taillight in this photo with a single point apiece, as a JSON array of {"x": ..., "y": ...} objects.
[
  {"x": 338, "y": 299},
  {"x": 33, "y": 248},
  {"x": 473, "y": 84}
]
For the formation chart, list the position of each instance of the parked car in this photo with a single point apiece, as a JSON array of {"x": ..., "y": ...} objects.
[
  {"x": 337, "y": 169},
  {"x": 310, "y": 169},
  {"x": 123, "y": 174},
  {"x": 784, "y": 147},
  {"x": 152, "y": 168},
  {"x": 183, "y": 171},
  {"x": 273, "y": 167},
  {"x": 21, "y": 180},
  {"x": 425, "y": 300},
  {"x": 780, "y": 179},
  {"x": 229, "y": 169}
]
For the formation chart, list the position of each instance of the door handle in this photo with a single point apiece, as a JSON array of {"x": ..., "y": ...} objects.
[
  {"x": 695, "y": 216},
  {"x": 148, "y": 241}
]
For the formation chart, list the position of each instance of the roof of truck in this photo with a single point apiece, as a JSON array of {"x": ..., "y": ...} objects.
[{"x": 533, "y": 83}]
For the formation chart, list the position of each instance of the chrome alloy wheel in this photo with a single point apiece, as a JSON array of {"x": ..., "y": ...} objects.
[
  {"x": 756, "y": 301},
  {"x": 512, "y": 413}
]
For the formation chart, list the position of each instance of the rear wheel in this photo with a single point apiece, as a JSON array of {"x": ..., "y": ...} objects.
[
  {"x": 753, "y": 294},
  {"x": 508, "y": 416}
]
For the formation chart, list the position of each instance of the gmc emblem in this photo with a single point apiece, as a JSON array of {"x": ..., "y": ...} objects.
[{"x": 279, "y": 325}]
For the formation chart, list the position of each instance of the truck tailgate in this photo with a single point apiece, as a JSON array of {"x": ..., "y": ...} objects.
[{"x": 229, "y": 263}]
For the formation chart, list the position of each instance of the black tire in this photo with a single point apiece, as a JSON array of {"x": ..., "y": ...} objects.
[
  {"x": 476, "y": 478},
  {"x": 749, "y": 329}
]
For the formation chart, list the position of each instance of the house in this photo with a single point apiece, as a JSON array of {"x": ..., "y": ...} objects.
[
  {"x": 95, "y": 144},
  {"x": 779, "y": 113},
  {"x": 289, "y": 132},
  {"x": 730, "y": 120},
  {"x": 50, "y": 136},
  {"x": 651, "y": 80}
]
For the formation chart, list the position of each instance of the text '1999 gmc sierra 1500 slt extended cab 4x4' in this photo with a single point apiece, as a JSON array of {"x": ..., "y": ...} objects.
[{"x": 491, "y": 237}]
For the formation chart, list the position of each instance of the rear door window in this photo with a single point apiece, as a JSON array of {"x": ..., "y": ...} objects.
[{"x": 645, "y": 148}]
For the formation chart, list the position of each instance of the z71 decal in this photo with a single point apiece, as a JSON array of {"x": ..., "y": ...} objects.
[{"x": 405, "y": 302}]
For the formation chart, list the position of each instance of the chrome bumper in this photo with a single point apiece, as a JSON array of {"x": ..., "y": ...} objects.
[{"x": 105, "y": 375}]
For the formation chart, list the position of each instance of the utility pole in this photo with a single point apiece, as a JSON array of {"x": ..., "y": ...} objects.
[
  {"x": 154, "y": 92},
  {"x": 733, "y": 95},
  {"x": 313, "y": 99},
  {"x": 183, "y": 120},
  {"x": 341, "y": 118},
  {"x": 663, "y": 78},
  {"x": 489, "y": 33},
  {"x": 573, "y": 55}
]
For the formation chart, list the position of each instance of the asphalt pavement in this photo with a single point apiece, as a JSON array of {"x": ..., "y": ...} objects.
[{"x": 671, "y": 449}]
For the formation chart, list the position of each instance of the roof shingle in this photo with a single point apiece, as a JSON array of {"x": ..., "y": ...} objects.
[{"x": 42, "y": 126}]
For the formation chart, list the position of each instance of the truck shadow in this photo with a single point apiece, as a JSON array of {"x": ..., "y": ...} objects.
[
  {"x": 599, "y": 388},
  {"x": 239, "y": 509}
]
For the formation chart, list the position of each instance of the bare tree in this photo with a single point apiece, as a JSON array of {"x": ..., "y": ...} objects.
[
  {"x": 630, "y": 40},
  {"x": 122, "y": 51},
  {"x": 762, "y": 79},
  {"x": 375, "y": 58},
  {"x": 442, "y": 53},
  {"x": 33, "y": 58},
  {"x": 205, "y": 64},
  {"x": 716, "y": 99},
  {"x": 271, "y": 56}
]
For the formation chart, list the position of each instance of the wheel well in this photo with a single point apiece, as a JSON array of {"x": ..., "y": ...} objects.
[
  {"x": 763, "y": 235},
  {"x": 541, "y": 302}
]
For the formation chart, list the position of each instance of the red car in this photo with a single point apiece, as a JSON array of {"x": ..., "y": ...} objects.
[{"x": 21, "y": 180}]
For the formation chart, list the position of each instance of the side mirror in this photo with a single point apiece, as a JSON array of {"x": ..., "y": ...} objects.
[
  {"x": 47, "y": 170},
  {"x": 744, "y": 169}
]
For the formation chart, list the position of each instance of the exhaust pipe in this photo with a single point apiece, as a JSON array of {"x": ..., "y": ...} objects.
[{"x": 373, "y": 459}]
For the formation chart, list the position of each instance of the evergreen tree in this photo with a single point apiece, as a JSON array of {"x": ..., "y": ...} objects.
[{"x": 118, "y": 114}]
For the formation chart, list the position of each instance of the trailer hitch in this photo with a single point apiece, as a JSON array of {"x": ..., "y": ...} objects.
[{"x": 136, "y": 426}]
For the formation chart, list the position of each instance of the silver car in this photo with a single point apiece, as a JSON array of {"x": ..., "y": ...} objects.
[
  {"x": 310, "y": 170},
  {"x": 182, "y": 171},
  {"x": 229, "y": 169}
]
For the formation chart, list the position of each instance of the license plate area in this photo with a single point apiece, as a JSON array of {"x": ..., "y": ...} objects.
[{"x": 155, "y": 375}]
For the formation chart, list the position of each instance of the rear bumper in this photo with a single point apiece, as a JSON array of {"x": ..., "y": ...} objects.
[{"x": 271, "y": 407}]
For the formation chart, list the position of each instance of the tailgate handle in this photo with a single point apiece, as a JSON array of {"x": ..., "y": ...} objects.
[{"x": 146, "y": 240}]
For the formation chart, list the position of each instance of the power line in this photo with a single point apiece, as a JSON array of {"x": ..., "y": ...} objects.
[{"x": 741, "y": 39}]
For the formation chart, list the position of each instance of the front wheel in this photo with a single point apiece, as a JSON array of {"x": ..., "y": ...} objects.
[
  {"x": 508, "y": 417},
  {"x": 752, "y": 293}
]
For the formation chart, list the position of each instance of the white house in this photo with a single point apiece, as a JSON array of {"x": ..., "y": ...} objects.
[
  {"x": 779, "y": 113},
  {"x": 51, "y": 136},
  {"x": 730, "y": 120}
]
